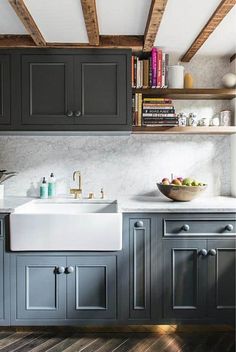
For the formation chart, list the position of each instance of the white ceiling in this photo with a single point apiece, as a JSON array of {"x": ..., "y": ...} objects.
[{"x": 62, "y": 21}]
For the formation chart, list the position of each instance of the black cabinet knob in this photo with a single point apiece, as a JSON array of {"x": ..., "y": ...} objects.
[
  {"x": 69, "y": 113},
  {"x": 203, "y": 252},
  {"x": 60, "y": 270},
  {"x": 77, "y": 113},
  {"x": 69, "y": 269},
  {"x": 186, "y": 227},
  {"x": 229, "y": 227},
  {"x": 212, "y": 252},
  {"x": 139, "y": 223}
]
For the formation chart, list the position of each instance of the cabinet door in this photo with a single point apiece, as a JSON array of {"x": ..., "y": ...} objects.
[
  {"x": 185, "y": 279},
  {"x": 140, "y": 268},
  {"x": 221, "y": 279},
  {"x": 91, "y": 287},
  {"x": 4, "y": 89},
  {"x": 47, "y": 89},
  {"x": 40, "y": 288},
  {"x": 101, "y": 90}
]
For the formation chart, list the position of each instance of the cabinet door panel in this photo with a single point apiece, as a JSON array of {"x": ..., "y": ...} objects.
[
  {"x": 221, "y": 279},
  {"x": 140, "y": 268},
  {"x": 184, "y": 279},
  {"x": 91, "y": 288},
  {"x": 47, "y": 89},
  {"x": 101, "y": 89},
  {"x": 40, "y": 290},
  {"x": 4, "y": 89}
]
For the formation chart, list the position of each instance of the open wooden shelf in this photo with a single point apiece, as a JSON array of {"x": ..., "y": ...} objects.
[
  {"x": 185, "y": 130},
  {"x": 189, "y": 94}
]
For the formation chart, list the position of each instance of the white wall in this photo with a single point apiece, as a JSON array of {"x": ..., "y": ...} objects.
[{"x": 126, "y": 164}]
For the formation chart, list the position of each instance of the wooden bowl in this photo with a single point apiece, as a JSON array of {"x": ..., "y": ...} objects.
[{"x": 181, "y": 193}]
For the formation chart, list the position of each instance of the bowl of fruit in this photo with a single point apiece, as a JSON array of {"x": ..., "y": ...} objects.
[{"x": 181, "y": 189}]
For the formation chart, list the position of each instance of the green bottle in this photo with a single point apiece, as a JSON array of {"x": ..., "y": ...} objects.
[
  {"x": 51, "y": 186},
  {"x": 44, "y": 189}
]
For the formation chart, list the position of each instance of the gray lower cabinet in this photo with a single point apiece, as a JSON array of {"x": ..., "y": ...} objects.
[
  {"x": 56, "y": 289},
  {"x": 91, "y": 287},
  {"x": 185, "y": 278},
  {"x": 199, "y": 280},
  {"x": 221, "y": 279},
  {"x": 38, "y": 287}
]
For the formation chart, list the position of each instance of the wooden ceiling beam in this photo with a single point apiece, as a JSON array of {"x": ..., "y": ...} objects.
[
  {"x": 221, "y": 11},
  {"x": 233, "y": 57},
  {"x": 28, "y": 21},
  {"x": 91, "y": 20},
  {"x": 106, "y": 41},
  {"x": 156, "y": 12}
]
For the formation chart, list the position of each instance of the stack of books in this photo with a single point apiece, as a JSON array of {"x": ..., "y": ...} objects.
[
  {"x": 150, "y": 71},
  {"x": 158, "y": 112},
  {"x": 153, "y": 112}
]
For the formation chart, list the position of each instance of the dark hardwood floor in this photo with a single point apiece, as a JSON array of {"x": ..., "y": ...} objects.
[{"x": 34, "y": 341}]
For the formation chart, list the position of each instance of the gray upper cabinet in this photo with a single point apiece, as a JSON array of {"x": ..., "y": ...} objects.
[
  {"x": 47, "y": 89},
  {"x": 78, "y": 90},
  {"x": 5, "y": 93},
  {"x": 185, "y": 278},
  {"x": 91, "y": 287},
  {"x": 221, "y": 279}
]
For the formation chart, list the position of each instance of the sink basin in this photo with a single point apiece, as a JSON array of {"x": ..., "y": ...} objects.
[{"x": 66, "y": 225}]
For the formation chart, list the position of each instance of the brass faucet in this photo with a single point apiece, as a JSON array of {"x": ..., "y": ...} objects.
[{"x": 77, "y": 191}]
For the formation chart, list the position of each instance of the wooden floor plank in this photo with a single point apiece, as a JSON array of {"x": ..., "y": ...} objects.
[
  {"x": 94, "y": 347},
  {"x": 144, "y": 344},
  {"x": 37, "y": 342},
  {"x": 80, "y": 344},
  {"x": 19, "y": 343},
  {"x": 47, "y": 344},
  {"x": 8, "y": 340},
  {"x": 161, "y": 342},
  {"x": 111, "y": 344}
]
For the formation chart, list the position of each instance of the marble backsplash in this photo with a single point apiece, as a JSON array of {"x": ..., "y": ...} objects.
[{"x": 122, "y": 165}]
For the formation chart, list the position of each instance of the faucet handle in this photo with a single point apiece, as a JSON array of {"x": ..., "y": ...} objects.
[
  {"x": 91, "y": 195},
  {"x": 102, "y": 193}
]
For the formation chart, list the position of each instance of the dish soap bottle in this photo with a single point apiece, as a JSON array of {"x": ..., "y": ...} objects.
[
  {"x": 44, "y": 189},
  {"x": 51, "y": 186}
]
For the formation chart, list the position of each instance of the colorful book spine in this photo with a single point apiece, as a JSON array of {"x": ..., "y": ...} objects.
[
  {"x": 159, "y": 68},
  {"x": 163, "y": 70},
  {"x": 154, "y": 67},
  {"x": 145, "y": 73},
  {"x": 132, "y": 70},
  {"x": 139, "y": 122},
  {"x": 166, "y": 69}
]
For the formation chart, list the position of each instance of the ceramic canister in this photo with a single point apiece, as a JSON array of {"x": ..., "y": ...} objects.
[{"x": 176, "y": 76}]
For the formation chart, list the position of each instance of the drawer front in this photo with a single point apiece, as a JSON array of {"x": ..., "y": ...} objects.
[{"x": 199, "y": 227}]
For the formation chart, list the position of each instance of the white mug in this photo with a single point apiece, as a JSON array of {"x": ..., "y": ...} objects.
[{"x": 176, "y": 76}]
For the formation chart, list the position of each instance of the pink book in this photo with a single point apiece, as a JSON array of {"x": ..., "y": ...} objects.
[
  {"x": 154, "y": 67},
  {"x": 159, "y": 68}
]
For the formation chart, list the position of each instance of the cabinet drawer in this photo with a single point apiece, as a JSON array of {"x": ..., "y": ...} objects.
[{"x": 199, "y": 227}]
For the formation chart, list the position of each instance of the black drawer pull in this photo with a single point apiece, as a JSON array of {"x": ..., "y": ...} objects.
[
  {"x": 229, "y": 227},
  {"x": 186, "y": 227},
  {"x": 138, "y": 223}
]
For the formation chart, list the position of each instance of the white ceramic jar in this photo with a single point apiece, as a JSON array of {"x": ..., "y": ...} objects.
[{"x": 176, "y": 76}]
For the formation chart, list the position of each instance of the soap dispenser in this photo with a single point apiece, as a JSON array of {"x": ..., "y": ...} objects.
[
  {"x": 44, "y": 189},
  {"x": 52, "y": 186}
]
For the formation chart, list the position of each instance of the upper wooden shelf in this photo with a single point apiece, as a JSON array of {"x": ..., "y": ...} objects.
[{"x": 189, "y": 94}]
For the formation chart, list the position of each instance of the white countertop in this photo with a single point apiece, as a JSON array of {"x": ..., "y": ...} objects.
[{"x": 141, "y": 204}]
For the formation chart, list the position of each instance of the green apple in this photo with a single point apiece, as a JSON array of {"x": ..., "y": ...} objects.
[{"x": 187, "y": 181}]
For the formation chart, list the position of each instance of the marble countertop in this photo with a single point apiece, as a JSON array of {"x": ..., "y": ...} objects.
[{"x": 142, "y": 204}]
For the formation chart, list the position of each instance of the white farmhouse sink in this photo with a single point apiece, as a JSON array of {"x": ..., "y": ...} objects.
[{"x": 66, "y": 225}]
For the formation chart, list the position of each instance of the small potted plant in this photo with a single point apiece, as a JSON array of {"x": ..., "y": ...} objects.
[{"x": 5, "y": 175}]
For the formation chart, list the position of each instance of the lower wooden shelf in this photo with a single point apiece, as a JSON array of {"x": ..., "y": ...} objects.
[{"x": 185, "y": 130}]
